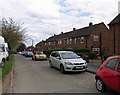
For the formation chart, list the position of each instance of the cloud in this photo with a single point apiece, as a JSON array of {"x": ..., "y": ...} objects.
[{"x": 44, "y": 18}]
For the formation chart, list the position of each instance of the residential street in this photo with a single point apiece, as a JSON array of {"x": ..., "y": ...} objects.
[{"x": 36, "y": 77}]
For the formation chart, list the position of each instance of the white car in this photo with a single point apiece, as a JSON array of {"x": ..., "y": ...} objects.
[{"x": 67, "y": 61}]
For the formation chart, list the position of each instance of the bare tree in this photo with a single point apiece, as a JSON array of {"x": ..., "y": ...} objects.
[{"x": 13, "y": 32}]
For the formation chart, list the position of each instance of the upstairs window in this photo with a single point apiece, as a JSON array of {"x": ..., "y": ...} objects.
[
  {"x": 67, "y": 41},
  {"x": 70, "y": 41},
  {"x": 96, "y": 38},
  {"x": 75, "y": 40},
  {"x": 82, "y": 39}
]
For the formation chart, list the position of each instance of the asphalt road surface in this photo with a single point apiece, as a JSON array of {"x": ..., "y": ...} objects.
[{"x": 36, "y": 77}]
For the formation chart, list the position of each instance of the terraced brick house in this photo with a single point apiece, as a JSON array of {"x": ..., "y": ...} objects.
[
  {"x": 93, "y": 37},
  {"x": 115, "y": 38}
]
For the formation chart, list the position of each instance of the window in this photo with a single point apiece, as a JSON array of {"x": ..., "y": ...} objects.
[
  {"x": 67, "y": 41},
  {"x": 59, "y": 42},
  {"x": 82, "y": 39},
  {"x": 96, "y": 37},
  {"x": 45, "y": 44},
  {"x": 75, "y": 40},
  {"x": 119, "y": 67},
  {"x": 54, "y": 42},
  {"x": 53, "y": 54},
  {"x": 49, "y": 43},
  {"x": 112, "y": 64},
  {"x": 70, "y": 41}
]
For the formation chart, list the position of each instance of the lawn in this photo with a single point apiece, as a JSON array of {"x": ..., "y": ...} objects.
[{"x": 8, "y": 67}]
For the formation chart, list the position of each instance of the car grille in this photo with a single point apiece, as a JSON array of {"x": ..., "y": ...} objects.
[{"x": 78, "y": 63}]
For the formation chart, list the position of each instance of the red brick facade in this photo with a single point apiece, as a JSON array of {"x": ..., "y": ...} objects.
[
  {"x": 94, "y": 37},
  {"x": 115, "y": 38}
]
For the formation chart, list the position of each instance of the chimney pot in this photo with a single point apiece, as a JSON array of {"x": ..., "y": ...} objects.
[
  {"x": 74, "y": 29},
  {"x": 90, "y": 24}
]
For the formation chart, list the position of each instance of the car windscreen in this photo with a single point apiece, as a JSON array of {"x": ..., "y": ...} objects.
[
  {"x": 39, "y": 52},
  {"x": 69, "y": 56}
]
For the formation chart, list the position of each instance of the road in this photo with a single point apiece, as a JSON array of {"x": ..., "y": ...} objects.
[{"x": 36, "y": 77}]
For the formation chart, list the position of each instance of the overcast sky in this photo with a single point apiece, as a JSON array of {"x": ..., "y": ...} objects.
[{"x": 44, "y": 18}]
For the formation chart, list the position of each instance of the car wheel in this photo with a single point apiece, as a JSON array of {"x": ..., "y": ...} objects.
[
  {"x": 100, "y": 85},
  {"x": 62, "y": 70},
  {"x": 32, "y": 58},
  {"x": 2, "y": 63},
  {"x": 50, "y": 64},
  {"x": 35, "y": 58}
]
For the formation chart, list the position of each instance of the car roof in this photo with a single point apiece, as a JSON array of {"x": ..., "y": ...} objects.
[
  {"x": 63, "y": 51},
  {"x": 115, "y": 56}
]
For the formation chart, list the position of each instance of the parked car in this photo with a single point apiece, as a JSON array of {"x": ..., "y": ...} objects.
[
  {"x": 39, "y": 55},
  {"x": 28, "y": 54},
  {"x": 67, "y": 61},
  {"x": 108, "y": 75}
]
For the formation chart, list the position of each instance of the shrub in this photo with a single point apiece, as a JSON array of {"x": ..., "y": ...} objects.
[
  {"x": 106, "y": 56},
  {"x": 93, "y": 56}
]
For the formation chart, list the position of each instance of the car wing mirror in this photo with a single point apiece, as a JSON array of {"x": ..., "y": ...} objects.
[{"x": 58, "y": 57}]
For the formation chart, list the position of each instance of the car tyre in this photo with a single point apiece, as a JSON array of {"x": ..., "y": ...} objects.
[
  {"x": 62, "y": 70},
  {"x": 35, "y": 58},
  {"x": 2, "y": 63},
  {"x": 100, "y": 86},
  {"x": 50, "y": 64}
]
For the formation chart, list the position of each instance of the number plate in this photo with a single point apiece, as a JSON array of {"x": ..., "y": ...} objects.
[{"x": 79, "y": 67}]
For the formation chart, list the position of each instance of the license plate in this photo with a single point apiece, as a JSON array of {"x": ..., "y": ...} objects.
[{"x": 80, "y": 67}]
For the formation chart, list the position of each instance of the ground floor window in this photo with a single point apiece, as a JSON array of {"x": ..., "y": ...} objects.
[{"x": 96, "y": 51}]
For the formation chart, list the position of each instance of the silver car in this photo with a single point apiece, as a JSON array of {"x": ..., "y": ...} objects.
[{"x": 67, "y": 61}]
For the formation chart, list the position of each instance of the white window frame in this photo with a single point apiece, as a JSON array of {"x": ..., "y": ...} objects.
[
  {"x": 75, "y": 39},
  {"x": 96, "y": 38},
  {"x": 82, "y": 39}
]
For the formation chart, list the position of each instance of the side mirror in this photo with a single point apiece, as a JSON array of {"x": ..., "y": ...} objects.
[{"x": 58, "y": 57}]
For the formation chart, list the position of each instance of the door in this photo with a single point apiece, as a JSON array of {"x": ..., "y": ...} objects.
[
  {"x": 109, "y": 73},
  {"x": 57, "y": 60},
  {"x": 118, "y": 76}
]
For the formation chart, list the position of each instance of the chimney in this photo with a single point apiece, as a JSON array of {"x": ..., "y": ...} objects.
[
  {"x": 119, "y": 7},
  {"x": 74, "y": 29},
  {"x": 61, "y": 32},
  {"x": 90, "y": 24}
]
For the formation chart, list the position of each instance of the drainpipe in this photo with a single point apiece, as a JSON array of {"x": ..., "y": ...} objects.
[{"x": 114, "y": 38}]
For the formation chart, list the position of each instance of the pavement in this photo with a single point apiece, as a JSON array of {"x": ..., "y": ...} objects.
[{"x": 91, "y": 68}]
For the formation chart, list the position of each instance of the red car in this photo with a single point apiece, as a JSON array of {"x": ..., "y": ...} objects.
[{"x": 108, "y": 75}]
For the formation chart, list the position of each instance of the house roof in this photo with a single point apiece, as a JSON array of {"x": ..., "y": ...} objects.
[
  {"x": 115, "y": 20},
  {"x": 76, "y": 33}
]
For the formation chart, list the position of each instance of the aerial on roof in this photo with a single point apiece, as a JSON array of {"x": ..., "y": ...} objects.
[
  {"x": 86, "y": 31},
  {"x": 115, "y": 20}
]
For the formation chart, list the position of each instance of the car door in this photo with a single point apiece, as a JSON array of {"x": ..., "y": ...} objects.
[
  {"x": 109, "y": 73},
  {"x": 52, "y": 59},
  {"x": 118, "y": 76},
  {"x": 57, "y": 60}
]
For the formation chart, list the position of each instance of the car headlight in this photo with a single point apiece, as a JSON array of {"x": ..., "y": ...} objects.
[{"x": 68, "y": 63}]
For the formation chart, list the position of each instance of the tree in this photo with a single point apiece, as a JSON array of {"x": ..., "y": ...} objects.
[
  {"x": 13, "y": 32},
  {"x": 21, "y": 47}
]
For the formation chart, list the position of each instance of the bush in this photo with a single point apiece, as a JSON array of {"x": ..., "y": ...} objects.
[
  {"x": 106, "y": 56},
  {"x": 78, "y": 51},
  {"x": 93, "y": 56}
]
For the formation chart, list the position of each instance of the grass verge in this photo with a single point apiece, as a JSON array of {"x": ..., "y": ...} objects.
[{"x": 8, "y": 66}]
